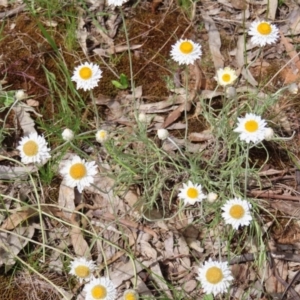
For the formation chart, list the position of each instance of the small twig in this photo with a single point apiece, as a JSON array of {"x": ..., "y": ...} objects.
[
  {"x": 12, "y": 12},
  {"x": 271, "y": 194}
]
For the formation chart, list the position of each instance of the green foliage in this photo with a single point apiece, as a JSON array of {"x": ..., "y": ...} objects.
[{"x": 122, "y": 84}]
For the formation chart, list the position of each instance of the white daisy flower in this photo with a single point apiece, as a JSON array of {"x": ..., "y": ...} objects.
[
  {"x": 100, "y": 289},
  {"x": 215, "y": 277},
  {"x": 251, "y": 128},
  {"x": 87, "y": 76},
  {"x": 101, "y": 135},
  {"x": 191, "y": 193},
  {"x": 33, "y": 149},
  {"x": 67, "y": 135},
  {"x": 237, "y": 212},
  {"x": 225, "y": 76},
  {"x": 82, "y": 268},
  {"x": 130, "y": 295},
  {"x": 116, "y": 2},
  {"x": 263, "y": 33},
  {"x": 79, "y": 173},
  {"x": 186, "y": 51}
]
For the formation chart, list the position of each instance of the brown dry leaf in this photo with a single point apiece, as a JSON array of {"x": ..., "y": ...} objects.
[
  {"x": 147, "y": 250},
  {"x": 12, "y": 243},
  {"x": 214, "y": 40},
  {"x": 239, "y": 4},
  {"x": 66, "y": 199},
  {"x": 119, "y": 49},
  {"x": 131, "y": 197},
  {"x": 174, "y": 115},
  {"x": 169, "y": 245},
  {"x": 290, "y": 49},
  {"x": 200, "y": 136},
  {"x": 26, "y": 122},
  {"x": 33, "y": 103},
  {"x": 272, "y": 8},
  {"x": 112, "y": 24},
  {"x": 190, "y": 286},
  {"x": 8, "y": 172},
  {"x": 272, "y": 285},
  {"x": 157, "y": 106},
  {"x": 293, "y": 21},
  {"x": 248, "y": 76},
  {"x": 103, "y": 186},
  {"x": 155, "y": 4},
  {"x": 282, "y": 118},
  {"x": 183, "y": 249},
  {"x": 142, "y": 288},
  {"x": 158, "y": 278},
  {"x": 116, "y": 110},
  {"x": 80, "y": 245},
  {"x": 126, "y": 271},
  {"x": 289, "y": 75},
  {"x": 291, "y": 208},
  {"x": 3, "y": 3},
  {"x": 18, "y": 217},
  {"x": 239, "y": 54}
]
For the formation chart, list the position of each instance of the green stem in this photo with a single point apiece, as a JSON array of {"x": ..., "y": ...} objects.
[
  {"x": 129, "y": 53},
  {"x": 246, "y": 169},
  {"x": 95, "y": 109}
]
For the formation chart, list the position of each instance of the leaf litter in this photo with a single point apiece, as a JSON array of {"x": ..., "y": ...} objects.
[{"x": 164, "y": 246}]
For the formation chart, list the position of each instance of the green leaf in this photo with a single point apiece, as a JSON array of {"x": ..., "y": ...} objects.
[
  {"x": 7, "y": 98},
  {"x": 124, "y": 80},
  {"x": 208, "y": 297},
  {"x": 117, "y": 84}
]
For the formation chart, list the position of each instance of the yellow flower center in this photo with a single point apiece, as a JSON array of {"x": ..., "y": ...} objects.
[
  {"x": 214, "y": 275},
  {"x": 251, "y": 126},
  {"x": 264, "y": 28},
  {"x": 99, "y": 292},
  {"x": 30, "y": 148},
  {"x": 85, "y": 73},
  {"x": 130, "y": 296},
  {"x": 102, "y": 134},
  {"x": 237, "y": 211},
  {"x": 226, "y": 77},
  {"x": 82, "y": 271},
  {"x": 78, "y": 171},
  {"x": 192, "y": 192},
  {"x": 186, "y": 47}
]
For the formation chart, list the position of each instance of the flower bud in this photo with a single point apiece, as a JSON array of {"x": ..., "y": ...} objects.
[
  {"x": 269, "y": 133},
  {"x": 162, "y": 134},
  {"x": 68, "y": 135},
  {"x": 212, "y": 197},
  {"x": 20, "y": 95},
  {"x": 142, "y": 118},
  {"x": 230, "y": 92},
  {"x": 293, "y": 88}
]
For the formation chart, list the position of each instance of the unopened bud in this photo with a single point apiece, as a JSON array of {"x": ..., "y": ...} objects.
[
  {"x": 68, "y": 135},
  {"x": 293, "y": 88},
  {"x": 162, "y": 134},
  {"x": 212, "y": 197},
  {"x": 269, "y": 133},
  {"x": 20, "y": 95},
  {"x": 230, "y": 92}
]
